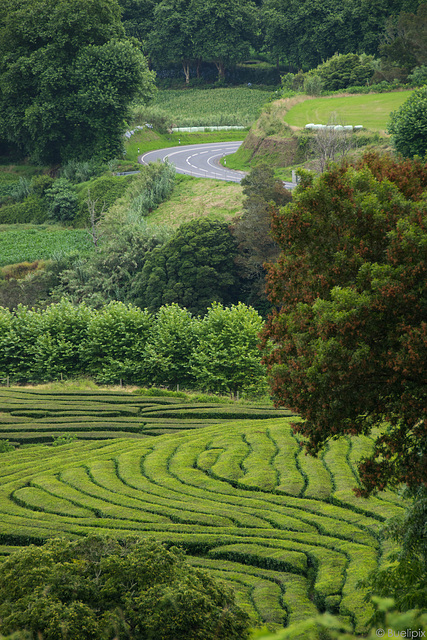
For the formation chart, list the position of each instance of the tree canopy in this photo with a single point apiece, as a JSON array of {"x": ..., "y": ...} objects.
[
  {"x": 408, "y": 125},
  {"x": 67, "y": 76},
  {"x": 98, "y": 588},
  {"x": 349, "y": 330},
  {"x": 193, "y": 269}
]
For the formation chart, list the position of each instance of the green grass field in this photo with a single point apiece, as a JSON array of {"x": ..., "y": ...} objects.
[
  {"x": 284, "y": 530},
  {"x": 372, "y": 110},
  {"x": 27, "y": 243},
  {"x": 210, "y": 107}
]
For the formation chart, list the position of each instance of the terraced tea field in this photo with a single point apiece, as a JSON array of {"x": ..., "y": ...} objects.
[
  {"x": 28, "y": 416},
  {"x": 285, "y": 530}
]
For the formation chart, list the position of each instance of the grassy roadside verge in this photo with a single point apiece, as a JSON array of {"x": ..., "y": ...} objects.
[{"x": 199, "y": 198}]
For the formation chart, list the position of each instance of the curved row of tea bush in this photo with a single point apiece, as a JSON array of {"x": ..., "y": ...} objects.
[
  {"x": 30, "y": 416},
  {"x": 221, "y": 493}
]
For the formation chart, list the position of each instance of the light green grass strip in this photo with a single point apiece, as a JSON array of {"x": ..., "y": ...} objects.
[{"x": 372, "y": 110}]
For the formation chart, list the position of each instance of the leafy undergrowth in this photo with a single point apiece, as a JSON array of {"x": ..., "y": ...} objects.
[
  {"x": 284, "y": 530},
  {"x": 21, "y": 243}
]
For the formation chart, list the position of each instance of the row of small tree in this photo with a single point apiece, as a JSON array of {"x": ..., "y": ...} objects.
[{"x": 218, "y": 353}]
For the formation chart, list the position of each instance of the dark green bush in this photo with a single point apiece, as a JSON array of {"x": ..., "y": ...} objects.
[
  {"x": 103, "y": 192},
  {"x": 342, "y": 71},
  {"x": 32, "y": 209},
  {"x": 40, "y": 184},
  {"x": 62, "y": 201}
]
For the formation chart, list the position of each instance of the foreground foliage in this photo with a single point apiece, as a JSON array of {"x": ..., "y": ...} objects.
[
  {"x": 390, "y": 623},
  {"x": 96, "y": 588},
  {"x": 350, "y": 332}
]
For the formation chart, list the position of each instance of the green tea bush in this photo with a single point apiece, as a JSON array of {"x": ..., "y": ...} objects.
[{"x": 5, "y": 446}]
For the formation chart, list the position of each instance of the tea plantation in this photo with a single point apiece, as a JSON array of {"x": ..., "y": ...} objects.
[
  {"x": 240, "y": 495},
  {"x": 29, "y": 416}
]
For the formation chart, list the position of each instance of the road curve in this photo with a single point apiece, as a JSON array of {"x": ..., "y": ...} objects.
[
  {"x": 198, "y": 160},
  {"x": 201, "y": 160}
]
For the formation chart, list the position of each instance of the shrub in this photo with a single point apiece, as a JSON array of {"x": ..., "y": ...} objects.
[
  {"x": 32, "y": 209},
  {"x": 313, "y": 85},
  {"x": 40, "y": 184},
  {"x": 342, "y": 71},
  {"x": 103, "y": 192},
  {"x": 62, "y": 201},
  {"x": 100, "y": 588},
  {"x": 408, "y": 125},
  {"x": 418, "y": 76}
]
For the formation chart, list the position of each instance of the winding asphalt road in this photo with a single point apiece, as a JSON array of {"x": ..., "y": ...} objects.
[
  {"x": 198, "y": 160},
  {"x": 201, "y": 160}
]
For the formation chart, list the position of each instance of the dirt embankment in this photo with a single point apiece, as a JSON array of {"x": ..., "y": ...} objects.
[
  {"x": 280, "y": 152},
  {"x": 271, "y": 139}
]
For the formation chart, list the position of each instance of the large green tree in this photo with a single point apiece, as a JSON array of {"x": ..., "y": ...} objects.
[
  {"x": 404, "y": 45},
  {"x": 98, "y": 588},
  {"x": 349, "y": 331},
  {"x": 193, "y": 269},
  {"x": 67, "y": 77},
  {"x": 252, "y": 232},
  {"x": 304, "y": 34},
  {"x": 223, "y": 31},
  {"x": 171, "y": 37},
  {"x": 227, "y": 358}
]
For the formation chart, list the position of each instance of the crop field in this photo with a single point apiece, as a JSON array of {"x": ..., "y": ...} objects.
[
  {"x": 210, "y": 107},
  {"x": 284, "y": 530},
  {"x": 29, "y": 243},
  {"x": 28, "y": 416},
  {"x": 371, "y": 110}
]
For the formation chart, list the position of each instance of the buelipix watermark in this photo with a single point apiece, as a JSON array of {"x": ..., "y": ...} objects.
[{"x": 408, "y": 633}]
